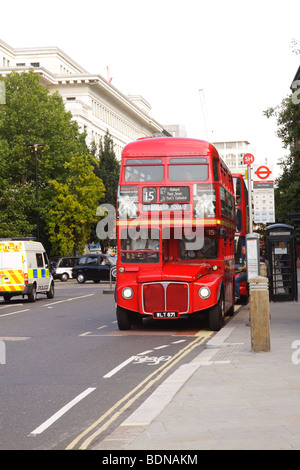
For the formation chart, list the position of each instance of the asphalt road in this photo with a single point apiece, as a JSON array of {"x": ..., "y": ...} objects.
[{"x": 68, "y": 376}]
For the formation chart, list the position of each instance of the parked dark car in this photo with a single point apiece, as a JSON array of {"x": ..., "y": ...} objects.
[
  {"x": 94, "y": 268},
  {"x": 61, "y": 268}
]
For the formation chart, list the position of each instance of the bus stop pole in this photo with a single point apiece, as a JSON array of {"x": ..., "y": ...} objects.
[{"x": 250, "y": 198}]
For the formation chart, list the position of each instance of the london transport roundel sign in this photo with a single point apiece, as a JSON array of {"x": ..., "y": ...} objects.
[
  {"x": 248, "y": 159},
  {"x": 263, "y": 172}
]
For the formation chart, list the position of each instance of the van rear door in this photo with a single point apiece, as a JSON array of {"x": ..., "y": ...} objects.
[{"x": 11, "y": 267}]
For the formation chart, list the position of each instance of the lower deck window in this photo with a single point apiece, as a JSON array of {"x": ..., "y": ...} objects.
[
  {"x": 208, "y": 248},
  {"x": 139, "y": 257},
  {"x": 144, "y": 249}
]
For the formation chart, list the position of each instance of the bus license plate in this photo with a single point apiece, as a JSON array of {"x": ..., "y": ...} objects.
[{"x": 165, "y": 315}]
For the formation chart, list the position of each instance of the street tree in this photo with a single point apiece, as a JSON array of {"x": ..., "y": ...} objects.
[
  {"x": 74, "y": 206},
  {"x": 32, "y": 114},
  {"x": 287, "y": 192},
  {"x": 109, "y": 171}
]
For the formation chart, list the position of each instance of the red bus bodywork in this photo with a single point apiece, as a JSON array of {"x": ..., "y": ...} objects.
[
  {"x": 172, "y": 189},
  {"x": 242, "y": 225}
]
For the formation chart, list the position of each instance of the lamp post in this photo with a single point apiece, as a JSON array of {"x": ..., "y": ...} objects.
[{"x": 36, "y": 146}]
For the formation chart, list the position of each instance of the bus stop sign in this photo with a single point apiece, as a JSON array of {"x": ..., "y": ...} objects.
[{"x": 248, "y": 159}]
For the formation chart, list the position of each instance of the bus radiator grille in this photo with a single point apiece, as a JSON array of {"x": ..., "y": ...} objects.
[{"x": 165, "y": 296}]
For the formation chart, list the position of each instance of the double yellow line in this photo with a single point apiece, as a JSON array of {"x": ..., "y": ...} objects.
[{"x": 122, "y": 405}]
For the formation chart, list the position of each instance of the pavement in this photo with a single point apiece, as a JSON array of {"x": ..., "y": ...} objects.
[{"x": 227, "y": 398}]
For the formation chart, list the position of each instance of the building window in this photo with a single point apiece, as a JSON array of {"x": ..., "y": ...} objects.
[
  {"x": 230, "y": 145},
  {"x": 35, "y": 64},
  {"x": 220, "y": 145}
]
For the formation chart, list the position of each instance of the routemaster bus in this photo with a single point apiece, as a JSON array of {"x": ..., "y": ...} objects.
[
  {"x": 242, "y": 224},
  {"x": 175, "y": 232}
]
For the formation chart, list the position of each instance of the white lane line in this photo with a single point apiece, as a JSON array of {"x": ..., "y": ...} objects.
[
  {"x": 14, "y": 313},
  {"x": 162, "y": 347},
  {"x": 14, "y": 338},
  {"x": 68, "y": 300},
  {"x": 61, "y": 412},
  {"x": 119, "y": 367},
  {"x": 11, "y": 305}
]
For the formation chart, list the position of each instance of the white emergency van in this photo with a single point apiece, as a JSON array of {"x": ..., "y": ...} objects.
[{"x": 24, "y": 269}]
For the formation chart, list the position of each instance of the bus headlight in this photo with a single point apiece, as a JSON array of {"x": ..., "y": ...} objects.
[
  {"x": 204, "y": 292},
  {"x": 127, "y": 293}
]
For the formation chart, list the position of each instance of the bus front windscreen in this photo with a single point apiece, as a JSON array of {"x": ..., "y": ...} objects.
[
  {"x": 139, "y": 170},
  {"x": 188, "y": 172}
]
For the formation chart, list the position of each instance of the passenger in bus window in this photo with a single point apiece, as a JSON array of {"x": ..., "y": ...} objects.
[
  {"x": 208, "y": 250},
  {"x": 133, "y": 177}
]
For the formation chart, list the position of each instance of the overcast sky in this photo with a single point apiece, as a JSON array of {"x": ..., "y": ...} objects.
[{"x": 238, "y": 52}]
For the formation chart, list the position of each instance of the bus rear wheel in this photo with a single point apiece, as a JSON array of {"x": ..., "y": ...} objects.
[
  {"x": 217, "y": 314},
  {"x": 123, "y": 318}
]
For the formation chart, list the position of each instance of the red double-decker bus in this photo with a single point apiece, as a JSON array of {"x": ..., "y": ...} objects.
[{"x": 175, "y": 232}]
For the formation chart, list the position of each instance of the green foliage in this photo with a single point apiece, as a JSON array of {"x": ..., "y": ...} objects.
[
  {"x": 17, "y": 200},
  {"x": 287, "y": 115},
  {"x": 31, "y": 114},
  {"x": 74, "y": 206},
  {"x": 287, "y": 193},
  {"x": 109, "y": 169}
]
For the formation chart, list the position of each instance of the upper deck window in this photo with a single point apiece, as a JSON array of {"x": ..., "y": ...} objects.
[
  {"x": 187, "y": 171},
  {"x": 139, "y": 170}
]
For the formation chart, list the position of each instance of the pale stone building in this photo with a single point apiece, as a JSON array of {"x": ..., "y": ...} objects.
[
  {"x": 232, "y": 153},
  {"x": 94, "y": 102}
]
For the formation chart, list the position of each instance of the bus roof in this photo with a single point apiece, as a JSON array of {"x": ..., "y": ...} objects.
[
  {"x": 238, "y": 175},
  {"x": 168, "y": 146}
]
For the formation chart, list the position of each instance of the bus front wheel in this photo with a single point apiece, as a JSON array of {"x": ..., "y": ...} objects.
[
  {"x": 217, "y": 314},
  {"x": 123, "y": 318}
]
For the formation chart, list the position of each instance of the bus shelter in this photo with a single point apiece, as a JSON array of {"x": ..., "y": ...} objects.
[{"x": 281, "y": 254}]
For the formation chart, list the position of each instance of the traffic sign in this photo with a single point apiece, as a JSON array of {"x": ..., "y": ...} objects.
[{"x": 248, "y": 159}]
